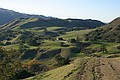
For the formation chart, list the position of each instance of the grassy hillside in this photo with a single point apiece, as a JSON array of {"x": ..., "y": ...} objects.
[
  {"x": 50, "y": 47},
  {"x": 74, "y": 34},
  {"x": 59, "y": 73},
  {"x": 87, "y": 69},
  {"x": 109, "y": 32},
  {"x": 61, "y": 53},
  {"x": 26, "y": 23}
]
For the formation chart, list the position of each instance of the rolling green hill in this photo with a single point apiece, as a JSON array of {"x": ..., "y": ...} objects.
[
  {"x": 74, "y": 34},
  {"x": 55, "y": 49},
  {"x": 27, "y": 23},
  {"x": 109, "y": 32},
  {"x": 84, "y": 69}
]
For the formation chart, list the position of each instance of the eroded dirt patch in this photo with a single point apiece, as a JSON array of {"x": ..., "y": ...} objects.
[{"x": 99, "y": 69}]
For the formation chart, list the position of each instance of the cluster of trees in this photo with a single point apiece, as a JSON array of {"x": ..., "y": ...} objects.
[
  {"x": 75, "y": 29},
  {"x": 61, "y": 61},
  {"x": 11, "y": 67},
  {"x": 30, "y": 38},
  {"x": 33, "y": 39},
  {"x": 8, "y": 64},
  {"x": 35, "y": 66},
  {"x": 102, "y": 49},
  {"x": 32, "y": 42},
  {"x": 7, "y": 34},
  {"x": 22, "y": 47},
  {"x": 108, "y": 33},
  {"x": 75, "y": 40},
  {"x": 6, "y": 43}
]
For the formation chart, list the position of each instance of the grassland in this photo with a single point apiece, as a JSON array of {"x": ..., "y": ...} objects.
[
  {"x": 74, "y": 34},
  {"x": 84, "y": 69}
]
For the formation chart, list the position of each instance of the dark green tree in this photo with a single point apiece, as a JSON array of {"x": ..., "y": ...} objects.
[
  {"x": 61, "y": 61},
  {"x": 45, "y": 30},
  {"x": 78, "y": 39},
  {"x": 103, "y": 48},
  {"x": 72, "y": 41},
  {"x": 9, "y": 64},
  {"x": 32, "y": 42}
]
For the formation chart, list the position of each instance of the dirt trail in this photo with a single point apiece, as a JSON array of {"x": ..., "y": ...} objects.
[{"x": 99, "y": 69}]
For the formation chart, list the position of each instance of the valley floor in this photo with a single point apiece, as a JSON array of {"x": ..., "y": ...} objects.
[{"x": 85, "y": 69}]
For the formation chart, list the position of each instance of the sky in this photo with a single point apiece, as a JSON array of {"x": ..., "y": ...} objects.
[{"x": 104, "y": 10}]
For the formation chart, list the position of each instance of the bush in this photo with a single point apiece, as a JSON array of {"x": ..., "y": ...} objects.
[
  {"x": 61, "y": 61},
  {"x": 60, "y": 38},
  {"x": 23, "y": 74},
  {"x": 72, "y": 41},
  {"x": 118, "y": 47},
  {"x": 22, "y": 47},
  {"x": 113, "y": 56},
  {"x": 62, "y": 44},
  {"x": 32, "y": 42},
  {"x": 36, "y": 67},
  {"x": 8, "y": 43}
]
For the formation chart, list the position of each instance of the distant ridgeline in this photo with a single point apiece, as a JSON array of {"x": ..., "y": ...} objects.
[
  {"x": 109, "y": 32},
  {"x": 22, "y": 20},
  {"x": 8, "y": 15},
  {"x": 24, "y": 23}
]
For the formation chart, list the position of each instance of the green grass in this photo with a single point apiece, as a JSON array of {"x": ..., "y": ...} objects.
[
  {"x": 15, "y": 46},
  {"x": 24, "y": 22},
  {"x": 15, "y": 39},
  {"x": 66, "y": 72},
  {"x": 56, "y": 74},
  {"x": 74, "y": 34},
  {"x": 53, "y": 28},
  {"x": 111, "y": 48},
  {"x": 52, "y": 45}
]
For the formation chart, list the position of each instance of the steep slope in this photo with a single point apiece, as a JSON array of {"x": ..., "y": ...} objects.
[
  {"x": 85, "y": 69},
  {"x": 25, "y": 23},
  {"x": 109, "y": 32},
  {"x": 8, "y": 15}
]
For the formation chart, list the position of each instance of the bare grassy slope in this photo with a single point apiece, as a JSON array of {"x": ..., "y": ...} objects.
[{"x": 85, "y": 69}]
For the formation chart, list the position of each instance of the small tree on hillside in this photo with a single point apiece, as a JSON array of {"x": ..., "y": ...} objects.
[
  {"x": 61, "y": 61},
  {"x": 8, "y": 43},
  {"x": 78, "y": 39},
  {"x": 32, "y": 42},
  {"x": 72, "y": 41},
  {"x": 45, "y": 30},
  {"x": 103, "y": 48}
]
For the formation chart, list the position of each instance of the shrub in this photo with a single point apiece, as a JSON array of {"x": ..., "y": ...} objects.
[
  {"x": 36, "y": 67},
  {"x": 23, "y": 74},
  {"x": 72, "y": 40},
  {"x": 8, "y": 43},
  {"x": 61, "y": 61},
  {"x": 113, "y": 56},
  {"x": 118, "y": 47},
  {"x": 32, "y": 42}
]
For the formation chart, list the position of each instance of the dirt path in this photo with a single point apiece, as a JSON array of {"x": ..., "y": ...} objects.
[{"x": 99, "y": 69}]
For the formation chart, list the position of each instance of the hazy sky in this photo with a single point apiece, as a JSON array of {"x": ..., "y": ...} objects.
[{"x": 104, "y": 10}]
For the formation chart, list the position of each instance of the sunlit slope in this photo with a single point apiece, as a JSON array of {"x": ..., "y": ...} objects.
[{"x": 84, "y": 69}]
